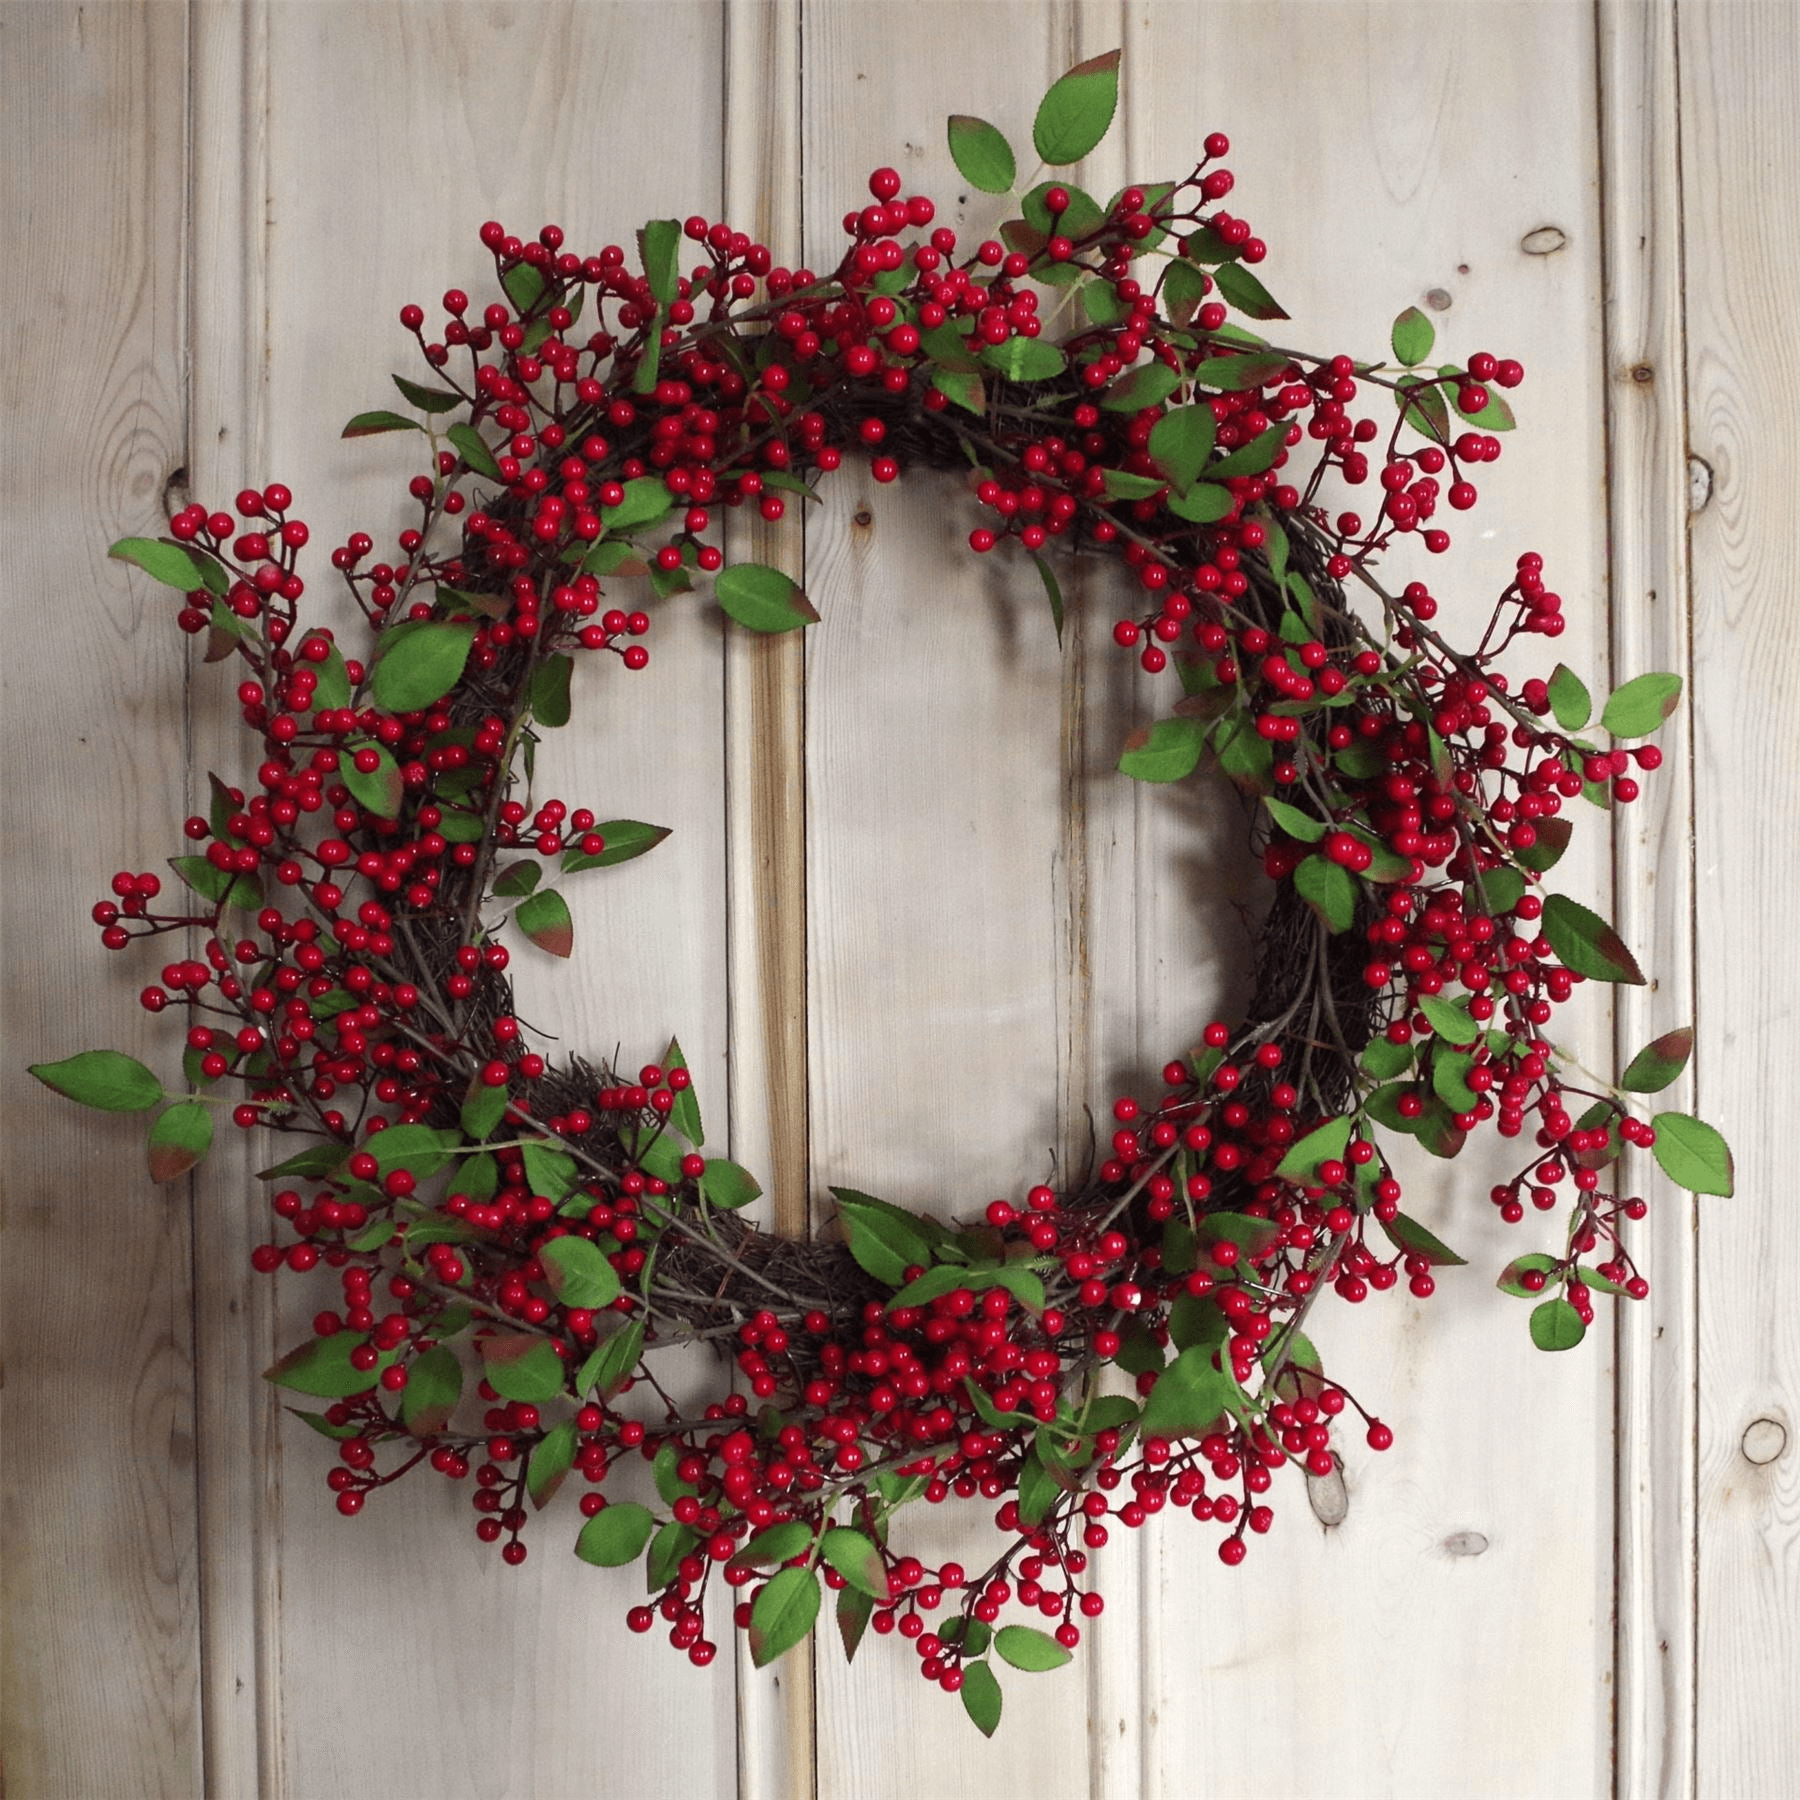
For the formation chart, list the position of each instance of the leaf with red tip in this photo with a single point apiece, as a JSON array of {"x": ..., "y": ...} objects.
[
  {"x": 522, "y": 1367},
  {"x": 1584, "y": 942},
  {"x": 981, "y": 1697},
  {"x": 1693, "y": 1154},
  {"x": 1413, "y": 1238},
  {"x": 783, "y": 1614},
  {"x": 982, "y": 155},
  {"x": 550, "y": 1464},
  {"x": 380, "y": 789},
  {"x": 1659, "y": 1062},
  {"x": 1078, "y": 110},
  {"x": 322, "y": 1367},
  {"x": 624, "y": 839},
  {"x": 854, "y": 1610},
  {"x": 856, "y": 1558},
  {"x": 762, "y": 598},
  {"x": 434, "y": 1381},
  {"x": 544, "y": 918},
  {"x": 179, "y": 1139}
]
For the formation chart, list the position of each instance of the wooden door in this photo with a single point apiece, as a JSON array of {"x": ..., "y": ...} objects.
[{"x": 909, "y": 925}]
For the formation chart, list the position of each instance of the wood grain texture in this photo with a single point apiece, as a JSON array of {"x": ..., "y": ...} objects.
[
  {"x": 1647, "y": 548},
  {"x": 1740, "y": 70},
  {"x": 410, "y": 1658},
  {"x": 1382, "y": 152},
  {"x": 97, "y": 1511},
  {"x": 944, "y": 962}
]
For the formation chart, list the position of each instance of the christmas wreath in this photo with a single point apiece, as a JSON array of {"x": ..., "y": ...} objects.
[{"x": 513, "y": 1243}]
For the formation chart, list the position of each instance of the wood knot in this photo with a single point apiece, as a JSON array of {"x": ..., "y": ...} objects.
[
  {"x": 1328, "y": 1497},
  {"x": 1763, "y": 1441},
  {"x": 1546, "y": 240},
  {"x": 1438, "y": 299},
  {"x": 1642, "y": 373},
  {"x": 1464, "y": 1543},
  {"x": 863, "y": 518}
]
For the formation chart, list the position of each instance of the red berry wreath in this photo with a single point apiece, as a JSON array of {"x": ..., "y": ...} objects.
[{"x": 547, "y": 1230}]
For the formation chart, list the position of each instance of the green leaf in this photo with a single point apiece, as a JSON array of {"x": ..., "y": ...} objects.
[
  {"x": 430, "y": 400},
  {"x": 647, "y": 502},
  {"x": 660, "y": 242},
  {"x": 854, "y": 1610},
  {"x": 670, "y": 1545},
  {"x": 380, "y": 790},
  {"x": 982, "y": 155},
  {"x": 1183, "y": 288},
  {"x": 577, "y": 1272},
  {"x": 1449, "y": 1020},
  {"x": 684, "y": 1115},
  {"x": 1692, "y": 1154},
  {"x": 1411, "y": 1236},
  {"x": 310, "y": 1164},
  {"x": 1053, "y": 589},
  {"x": 613, "y": 1362},
  {"x": 550, "y": 690},
  {"x": 782, "y": 1614},
  {"x": 524, "y": 286},
  {"x": 962, "y": 386},
  {"x": 1074, "y": 116},
  {"x": 323, "y": 1426},
  {"x": 107, "y": 1080},
  {"x": 1659, "y": 1062},
  {"x": 624, "y": 839},
  {"x": 167, "y": 563},
  {"x": 1502, "y": 888},
  {"x": 990, "y": 1413},
  {"x": 1203, "y": 504},
  {"x": 1640, "y": 706},
  {"x": 1181, "y": 441},
  {"x": 1148, "y": 385},
  {"x": 1246, "y": 292},
  {"x": 616, "y": 1535},
  {"x": 1025, "y": 359},
  {"x": 522, "y": 1367},
  {"x": 948, "y": 349},
  {"x": 936, "y": 1282},
  {"x": 1570, "y": 700},
  {"x": 1552, "y": 840},
  {"x": 1556, "y": 1325},
  {"x": 1450, "y": 1079},
  {"x": 1384, "y": 1060},
  {"x": 856, "y": 1558},
  {"x": 1038, "y": 1490},
  {"x": 221, "y": 886},
  {"x": 1236, "y": 374},
  {"x": 780, "y": 1543},
  {"x": 1412, "y": 338},
  {"x": 544, "y": 918},
  {"x": 1584, "y": 942},
  {"x": 434, "y": 1381},
  {"x": 763, "y": 599},
  {"x": 1533, "y": 1262},
  {"x": 1122, "y": 485},
  {"x": 1329, "y": 889},
  {"x": 548, "y": 1170},
  {"x": 550, "y": 1464},
  {"x": 1189, "y": 1395},
  {"x": 474, "y": 451},
  {"x": 884, "y": 1240},
  {"x": 728, "y": 1185},
  {"x": 1424, "y": 410},
  {"x": 421, "y": 1150},
  {"x": 1169, "y": 750},
  {"x": 1025, "y": 1647},
  {"x": 981, "y": 1696},
  {"x": 1083, "y": 215},
  {"x": 421, "y": 666},
  {"x": 179, "y": 1139},
  {"x": 372, "y": 424},
  {"x": 1327, "y": 1143},
  {"x": 322, "y": 1367},
  {"x": 483, "y": 1108}
]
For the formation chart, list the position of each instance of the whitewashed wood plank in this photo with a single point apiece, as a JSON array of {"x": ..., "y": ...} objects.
[
  {"x": 941, "y": 927},
  {"x": 102, "y": 1671},
  {"x": 765, "y": 778},
  {"x": 1740, "y": 82},
  {"x": 1382, "y": 153},
  {"x": 1647, "y": 460},
  {"x": 471, "y": 1678},
  {"x": 235, "y": 1311}
]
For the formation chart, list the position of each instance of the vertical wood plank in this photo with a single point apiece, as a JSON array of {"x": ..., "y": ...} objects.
[
  {"x": 1383, "y": 153},
  {"x": 1740, "y": 73},
  {"x": 765, "y": 781},
  {"x": 410, "y": 1658},
  {"x": 97, "y": 1510},
  {"x": 1647, "y": 464},
  {"x": 940, "y": 895},
  {"x": 240, "y": 1463}
]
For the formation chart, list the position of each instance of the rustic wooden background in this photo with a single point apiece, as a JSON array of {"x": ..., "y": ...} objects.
[{"x": 908, "y": 923}]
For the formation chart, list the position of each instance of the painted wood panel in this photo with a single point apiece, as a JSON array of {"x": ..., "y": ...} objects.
[
  {"x": 915, "y": 973},
  {"x": 1740, "y": 76},
  {"x": 99, "y": 1523}
]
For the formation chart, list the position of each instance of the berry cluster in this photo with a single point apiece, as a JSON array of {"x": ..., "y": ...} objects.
[{"x": 551, "y": 1230}]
